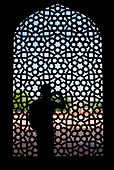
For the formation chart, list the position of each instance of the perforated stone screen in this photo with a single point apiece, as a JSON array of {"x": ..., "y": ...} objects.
[{"x": 62, "y": 48}]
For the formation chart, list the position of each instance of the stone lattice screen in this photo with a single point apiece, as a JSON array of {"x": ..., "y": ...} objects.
[{"x": 63, "y": 48}]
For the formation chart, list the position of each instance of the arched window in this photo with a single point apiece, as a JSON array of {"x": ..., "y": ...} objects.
[{"x": 63, "y": 48}]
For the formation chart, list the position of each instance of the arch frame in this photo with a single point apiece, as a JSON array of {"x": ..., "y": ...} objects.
[{"x": 11, "y": 61}]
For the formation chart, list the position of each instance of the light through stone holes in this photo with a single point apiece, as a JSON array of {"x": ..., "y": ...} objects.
[{"x": 63, "y": 48}]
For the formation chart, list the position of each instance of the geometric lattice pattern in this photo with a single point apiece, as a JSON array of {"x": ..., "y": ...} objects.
[{"x": 63, "y": 48}]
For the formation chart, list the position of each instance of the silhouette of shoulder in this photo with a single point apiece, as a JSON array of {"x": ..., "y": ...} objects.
[{"x": 41, "y": 109}]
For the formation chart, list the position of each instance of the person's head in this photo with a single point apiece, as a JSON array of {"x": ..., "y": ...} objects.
[{"x": 45, "y": 90}]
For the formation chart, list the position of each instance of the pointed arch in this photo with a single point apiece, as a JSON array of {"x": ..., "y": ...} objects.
[{"x": 63, "y": 48}]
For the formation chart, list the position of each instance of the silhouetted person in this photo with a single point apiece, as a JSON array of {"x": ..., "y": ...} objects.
[{"x": 41, "y": 118}]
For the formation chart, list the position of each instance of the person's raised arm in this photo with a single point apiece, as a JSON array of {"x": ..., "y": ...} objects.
[{"x": 58, "y": 100}]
